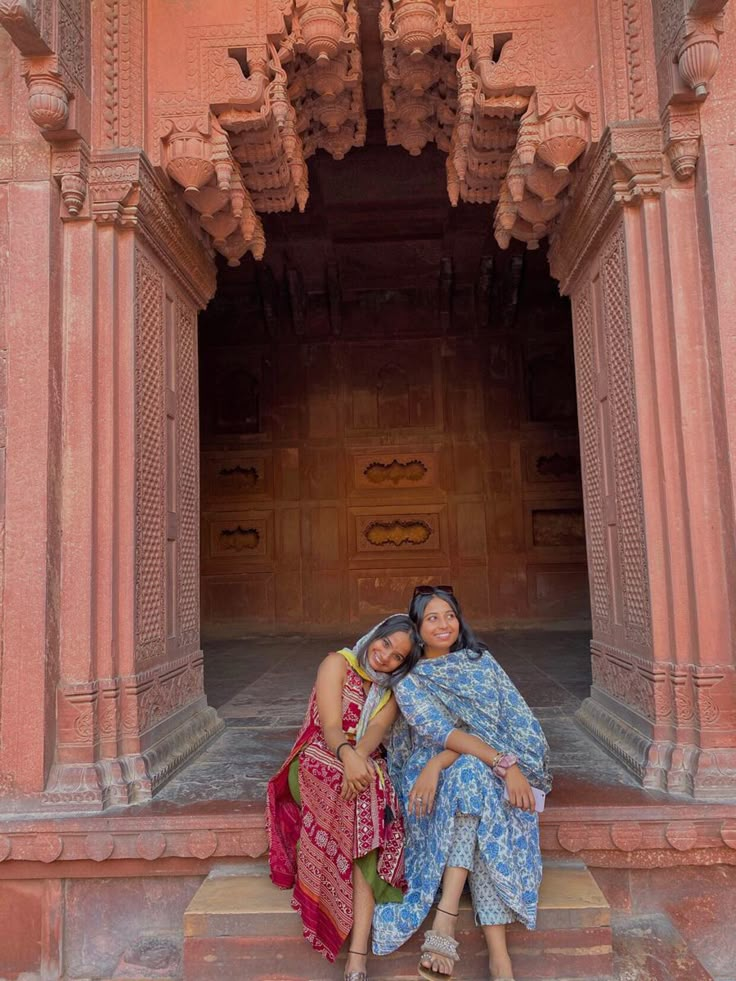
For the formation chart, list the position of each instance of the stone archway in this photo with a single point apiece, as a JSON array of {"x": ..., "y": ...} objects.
[{"x": 117, "y": 701}]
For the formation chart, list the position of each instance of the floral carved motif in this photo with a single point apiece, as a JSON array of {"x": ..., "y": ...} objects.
[
  {"x": 682, "y": 138},
  {"x": 237, "y": 539},
  {"x": 397, "y": 533}
]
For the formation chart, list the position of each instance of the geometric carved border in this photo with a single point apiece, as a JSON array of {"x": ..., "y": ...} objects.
[
  {"x": 688, "y": 695},
  {"x": 660, "y": 838}
]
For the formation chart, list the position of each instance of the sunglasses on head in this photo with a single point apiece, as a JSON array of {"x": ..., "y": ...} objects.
[{"x": 430, "y": 590}]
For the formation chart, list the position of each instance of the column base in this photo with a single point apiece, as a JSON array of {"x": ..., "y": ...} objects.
[
  {"x": 130, "y": 779},
  {"x": 682, "y": 769}
]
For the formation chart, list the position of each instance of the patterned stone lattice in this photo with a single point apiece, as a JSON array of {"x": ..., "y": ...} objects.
[
  {"x": 188, "y": 551},
  {"x": 584, "y": 354},
  {"x": 150, "y": 521},
  {"x": 73, "y": 28},
  {"x": 630, "y": 516}
]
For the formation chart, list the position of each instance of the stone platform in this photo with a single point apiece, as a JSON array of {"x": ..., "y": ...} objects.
[
  {"x": 240, "y": 925},
  {"x": 104, "y": 895}
]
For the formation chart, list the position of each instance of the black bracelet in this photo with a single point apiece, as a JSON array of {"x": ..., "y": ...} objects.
[{"x": 337, "y": 751}]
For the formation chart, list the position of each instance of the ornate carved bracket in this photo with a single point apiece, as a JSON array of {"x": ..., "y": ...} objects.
[
  {"x": 29, "y": 24},
  {"x": 48, "y": 97},
  {"x": 626, "y": 165},
  {"x": 688, "y": 52},
  {"x": 475, "y": 94},
  {"x": 125, "y": 190},
  {"x": 70, "y": 167},
  {"x": 552, "y": 135},
  {"x": 681, "y": 123},
  {"x": 698, "y": 54},
  {"x": 55, "y": 48},
  {"x": 198, "y": 157},
  {"x": 241, "y": 150}
]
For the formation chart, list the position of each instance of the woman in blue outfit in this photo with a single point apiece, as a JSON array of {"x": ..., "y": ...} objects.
[{"x": 464, "y": 757}]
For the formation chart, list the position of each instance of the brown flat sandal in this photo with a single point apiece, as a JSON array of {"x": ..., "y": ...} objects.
[{"x": 437, "y": 944}]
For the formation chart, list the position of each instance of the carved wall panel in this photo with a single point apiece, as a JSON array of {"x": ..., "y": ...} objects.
[
  {"x": 556, "y": 527},
  {"x": 150, "y": 462},
  {"x": 392, "y": 388},
  {"x": 232, "y": 477},
  {"x": 237, "y": 537},
  {"x": 558, "y": 463},
  {"x": 396, "y": 536},
  {"x": 590, "y": 439},
  {"x": 400, "y": 466},
  {"x": 629, "y": 501},
  {"x": 187, "y": 479},
  {"x": 379, "y": 471}
]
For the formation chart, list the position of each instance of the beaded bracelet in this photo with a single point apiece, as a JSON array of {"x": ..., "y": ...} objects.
[{"x": 501, "y": 766}]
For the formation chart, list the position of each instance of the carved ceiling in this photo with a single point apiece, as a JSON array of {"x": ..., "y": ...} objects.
[
  {"x": 476, "y": 84},
  {"x": 379, "y": 250}
]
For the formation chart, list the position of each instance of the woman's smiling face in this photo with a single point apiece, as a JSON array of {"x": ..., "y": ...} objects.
[
  {"x": 440, "y": 627},
  {"x": 388, "y": 653}
]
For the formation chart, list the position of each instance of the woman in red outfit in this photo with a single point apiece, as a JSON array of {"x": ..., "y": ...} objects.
[{"x": 334, "y": 826}]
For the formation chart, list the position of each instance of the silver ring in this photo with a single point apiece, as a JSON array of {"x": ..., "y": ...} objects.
[{"x": 420, "y": 798}]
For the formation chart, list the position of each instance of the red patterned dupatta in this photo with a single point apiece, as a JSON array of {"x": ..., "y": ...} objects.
[{"x": 312, "y": 847}]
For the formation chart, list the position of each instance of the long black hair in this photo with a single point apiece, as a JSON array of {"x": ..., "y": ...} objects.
[
  {"x": 401, "y": 623},
  {"x": 466, "y": 639}
]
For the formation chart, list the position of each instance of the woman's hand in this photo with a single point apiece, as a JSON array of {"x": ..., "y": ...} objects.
[
  {"x": 519, "y": 789},
  {"x": 358, "y": 773},
  {"x": 422, "y": 794}
]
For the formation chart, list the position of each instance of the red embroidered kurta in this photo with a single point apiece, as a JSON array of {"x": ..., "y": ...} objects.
[{"x": 330, "y": 832}]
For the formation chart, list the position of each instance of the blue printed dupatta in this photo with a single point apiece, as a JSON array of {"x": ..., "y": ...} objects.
[{"x": 463, "y": 690}]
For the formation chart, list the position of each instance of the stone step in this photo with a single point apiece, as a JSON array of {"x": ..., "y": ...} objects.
[{"x": 240, "y": 926}]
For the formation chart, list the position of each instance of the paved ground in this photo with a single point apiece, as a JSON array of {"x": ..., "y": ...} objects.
[{"x": 260, "y": 686}]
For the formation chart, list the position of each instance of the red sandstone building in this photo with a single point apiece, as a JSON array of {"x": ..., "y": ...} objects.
[{"x": 372, "y": 208}]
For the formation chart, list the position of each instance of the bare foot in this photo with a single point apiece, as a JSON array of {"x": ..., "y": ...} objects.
[
  {"x": 355, "y": 962},
  {"x": 500, "y": 966}
]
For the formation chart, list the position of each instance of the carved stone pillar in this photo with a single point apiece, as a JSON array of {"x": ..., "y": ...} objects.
[
  {"x": 130, "y": 703},
  {"x": 102, "y": 693},
  {"x": 659, "y": 521},
  {"x": 30, "y": 444}
]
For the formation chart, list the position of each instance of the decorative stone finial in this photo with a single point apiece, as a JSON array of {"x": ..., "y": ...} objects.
[{"x": 48, "y": 99}]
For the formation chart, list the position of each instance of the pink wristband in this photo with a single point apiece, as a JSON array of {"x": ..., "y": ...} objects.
[{"x": 502, "y": 766}]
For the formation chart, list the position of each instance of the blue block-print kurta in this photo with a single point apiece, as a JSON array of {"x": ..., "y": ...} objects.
[{"x": 463, "y": 690}]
